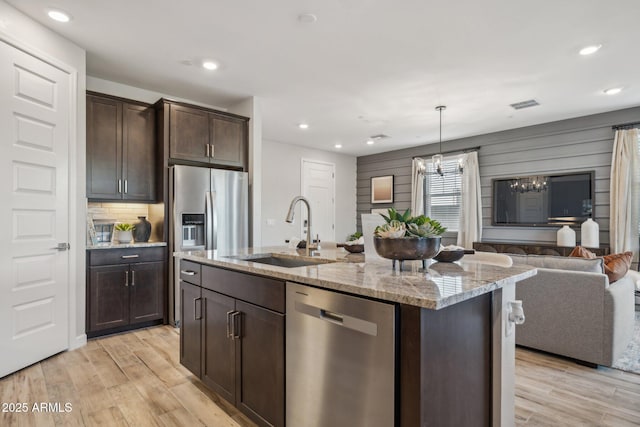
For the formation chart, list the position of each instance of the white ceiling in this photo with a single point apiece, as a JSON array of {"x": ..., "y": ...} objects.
[{"x": 367, "y": 66}]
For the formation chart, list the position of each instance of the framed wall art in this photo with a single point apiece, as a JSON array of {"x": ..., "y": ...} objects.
[{"x": 382, "y": 189}]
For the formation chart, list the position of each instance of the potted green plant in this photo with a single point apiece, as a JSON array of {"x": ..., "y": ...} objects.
[
  {"x": 124, "y": 232},
  {"x": 405, "y": 237}
]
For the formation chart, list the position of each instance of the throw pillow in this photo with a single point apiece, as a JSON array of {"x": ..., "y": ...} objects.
[
  {"x": 617, "y": 265},
  {"x": 580, "y": 252}
]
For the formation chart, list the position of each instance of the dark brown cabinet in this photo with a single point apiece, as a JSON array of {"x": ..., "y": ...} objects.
[
  {"x": 199, "y": 135},
  {"x": 121, "y": 150},
  {"x": 240, "y": 319},
  {"x": 125, "y": 287}
]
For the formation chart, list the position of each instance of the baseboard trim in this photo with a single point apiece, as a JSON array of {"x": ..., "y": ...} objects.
[{"x": 77, "y": 342}]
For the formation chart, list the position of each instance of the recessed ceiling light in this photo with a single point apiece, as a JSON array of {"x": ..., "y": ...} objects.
[
  {"x": 58, "y": 15},
  {"x": 303, "y": 126},
  {"x": 307, "y": 18},
  {"x": 613, "y": 91},
  {"x": 370, "y": 142},
  {"x": 589, "y": 50},
  {"x": 210, "y": 65},
  {"x": 338, "y": 145}
]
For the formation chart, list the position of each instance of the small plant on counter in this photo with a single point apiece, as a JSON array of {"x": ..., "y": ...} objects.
[
  {"x": 354, "y": 236},
  {"x": 124, "y": 227},
  {"x": 404, "y": 225}
]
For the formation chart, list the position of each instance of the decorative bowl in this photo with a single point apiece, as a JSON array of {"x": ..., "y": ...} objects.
[
  {"x": 407, "y": 248},
  {"x": 449, "y": 255},
  {"x": 354, "y": 249}
]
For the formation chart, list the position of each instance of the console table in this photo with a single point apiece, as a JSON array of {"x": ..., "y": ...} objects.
[{"x": 533, "y": 248}]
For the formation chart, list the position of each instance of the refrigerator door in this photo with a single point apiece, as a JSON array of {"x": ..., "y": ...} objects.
[
  {"x": 230, "y": 210},
  {"x": 190, "y": 185}
]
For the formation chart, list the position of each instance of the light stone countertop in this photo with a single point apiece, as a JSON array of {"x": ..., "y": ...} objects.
[
  {"x": 441, "y": 285},
  {"x": 125, "y": 245}
]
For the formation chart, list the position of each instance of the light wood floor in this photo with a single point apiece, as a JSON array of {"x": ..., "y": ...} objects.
[{"x": 135, "y": 379}]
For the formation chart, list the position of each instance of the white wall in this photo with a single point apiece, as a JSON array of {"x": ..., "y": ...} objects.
[
  {"x": 25, "y": 33},
  {"x": 281, "y": 182}
]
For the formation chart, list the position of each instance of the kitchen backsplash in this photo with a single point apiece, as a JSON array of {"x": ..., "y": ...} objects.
[{"x": 117, "y": 212}]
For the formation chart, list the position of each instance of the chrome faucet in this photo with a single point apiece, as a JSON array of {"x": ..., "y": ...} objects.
[{"x": 291, "y": 212}]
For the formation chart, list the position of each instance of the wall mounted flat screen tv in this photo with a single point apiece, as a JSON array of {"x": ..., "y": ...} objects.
[{"x": 543, "y": 200}]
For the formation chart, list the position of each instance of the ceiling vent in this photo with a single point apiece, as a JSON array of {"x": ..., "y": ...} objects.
[
  {"x": 525, "y": 104},
  {"x": 379, "y": 136}
]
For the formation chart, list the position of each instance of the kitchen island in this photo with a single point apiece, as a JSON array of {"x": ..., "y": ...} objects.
[{"x": 454, "y": 347}]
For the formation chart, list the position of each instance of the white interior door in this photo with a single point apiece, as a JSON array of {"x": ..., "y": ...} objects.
[
  {"x": 34, "y": 143},
  {"x": 318, "y": 186}
]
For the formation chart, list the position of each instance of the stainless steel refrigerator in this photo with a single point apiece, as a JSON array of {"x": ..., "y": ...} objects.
[{"x": 209, "y": 210}]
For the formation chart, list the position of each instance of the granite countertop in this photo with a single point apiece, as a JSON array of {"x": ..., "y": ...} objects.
[
  {"x": 441, "y": 285},
  {"x": 125, "y": 245}
]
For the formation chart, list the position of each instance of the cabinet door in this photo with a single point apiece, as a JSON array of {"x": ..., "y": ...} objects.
[
  {"x": 219, "y": 350},
  {"x": 190, "y": 327},
  {"x": 188, "y": 134},
  {"x": 139, "y": 153},
  {"x": 108, "y": 297},
  {"x": 261, "y": 395},
  {"x": 104, "y": 148},
  {"x": 146, "y": 286},
  {"x": 228, "y": 140}
]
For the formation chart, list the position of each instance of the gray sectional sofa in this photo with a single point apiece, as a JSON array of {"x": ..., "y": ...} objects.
[{"x": 572, "y": 310}]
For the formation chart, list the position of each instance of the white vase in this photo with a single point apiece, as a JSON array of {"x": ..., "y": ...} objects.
[
  {"x": 590, "y": 234},
  {"x": 566, "y": 236}
]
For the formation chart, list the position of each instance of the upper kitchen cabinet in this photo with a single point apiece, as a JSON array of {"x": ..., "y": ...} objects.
[
  {"x": 121, "y": 149},
  {"x": 201, "y": 136}
]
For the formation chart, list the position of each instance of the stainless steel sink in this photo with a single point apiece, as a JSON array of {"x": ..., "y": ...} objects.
[{"x": 282, "y": 260}]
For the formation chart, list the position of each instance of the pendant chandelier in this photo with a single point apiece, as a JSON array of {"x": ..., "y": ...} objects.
[{"x": 437, "y": 159}]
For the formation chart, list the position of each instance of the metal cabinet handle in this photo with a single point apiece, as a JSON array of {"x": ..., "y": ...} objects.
[
  {"x": 235, "y": 319},
  {"x": 206, "y": 150},
  {"x": 188, "y": 272},
  {"x": 126, "y": 186},
  {"x": 229, "y": 314},
  {"x": 213, "y": 151},
  {"x": 119, "y": 186},
  {"x": 126, "y": 278},
  {"x": 197, "y": 311},
  {"x": 133, "y": 278},
  {"x": 129, "y": 256}
]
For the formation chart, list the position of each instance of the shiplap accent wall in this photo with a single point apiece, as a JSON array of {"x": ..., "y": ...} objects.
[{"x": 580, "y": 144}]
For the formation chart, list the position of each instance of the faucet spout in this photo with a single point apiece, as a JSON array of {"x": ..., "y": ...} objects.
[{"x": 291, "y": 213}]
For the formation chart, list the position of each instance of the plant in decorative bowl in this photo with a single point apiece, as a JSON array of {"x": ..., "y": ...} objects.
[
  {"x": 354, "y": 243},
  {"x": 405, "y": 237},
  {"x": 125, "y": 231}
]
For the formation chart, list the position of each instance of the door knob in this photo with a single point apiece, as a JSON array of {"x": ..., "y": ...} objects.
[{"x": 62, "y": 247}]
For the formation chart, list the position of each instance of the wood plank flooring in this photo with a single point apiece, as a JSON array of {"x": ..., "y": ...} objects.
[{"x": 135, "y": 379}]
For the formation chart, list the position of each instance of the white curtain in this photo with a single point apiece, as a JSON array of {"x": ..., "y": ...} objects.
[
  {"x": 624, "y": 202},
  {"x": 470, "y": 229},
  {"x": 417, "y": 187}
]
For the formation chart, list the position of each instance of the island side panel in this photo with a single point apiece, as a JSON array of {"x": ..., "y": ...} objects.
[
  {"x": 504, "y": 359},
  {"x": 452, "y": 365}
]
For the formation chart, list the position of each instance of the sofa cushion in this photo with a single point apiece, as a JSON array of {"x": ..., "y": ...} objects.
[
  {"x": 560, "y": 263},
  {"x": 617, "y": 265}
]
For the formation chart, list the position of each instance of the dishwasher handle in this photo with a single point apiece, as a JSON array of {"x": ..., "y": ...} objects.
[
  {"x": 331, "y": 316},
  {"x": 339, "y": 319}
]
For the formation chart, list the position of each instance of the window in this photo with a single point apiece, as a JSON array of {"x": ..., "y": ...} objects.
[{"x": 442, "y": 194}]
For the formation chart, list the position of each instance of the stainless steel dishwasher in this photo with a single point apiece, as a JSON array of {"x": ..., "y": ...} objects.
[{"x": 340, "y": 360}]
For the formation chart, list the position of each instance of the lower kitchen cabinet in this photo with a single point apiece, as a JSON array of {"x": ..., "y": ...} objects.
[
  {"x": 122, "y": 293},
  {"x": 234, "y": 345}
]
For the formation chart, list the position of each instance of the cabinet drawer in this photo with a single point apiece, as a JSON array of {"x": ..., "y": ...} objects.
[
  {"x": 125, "y": 255},
  {"x": 190, "y": 272},
  {"x": 262, "y": 291}
]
